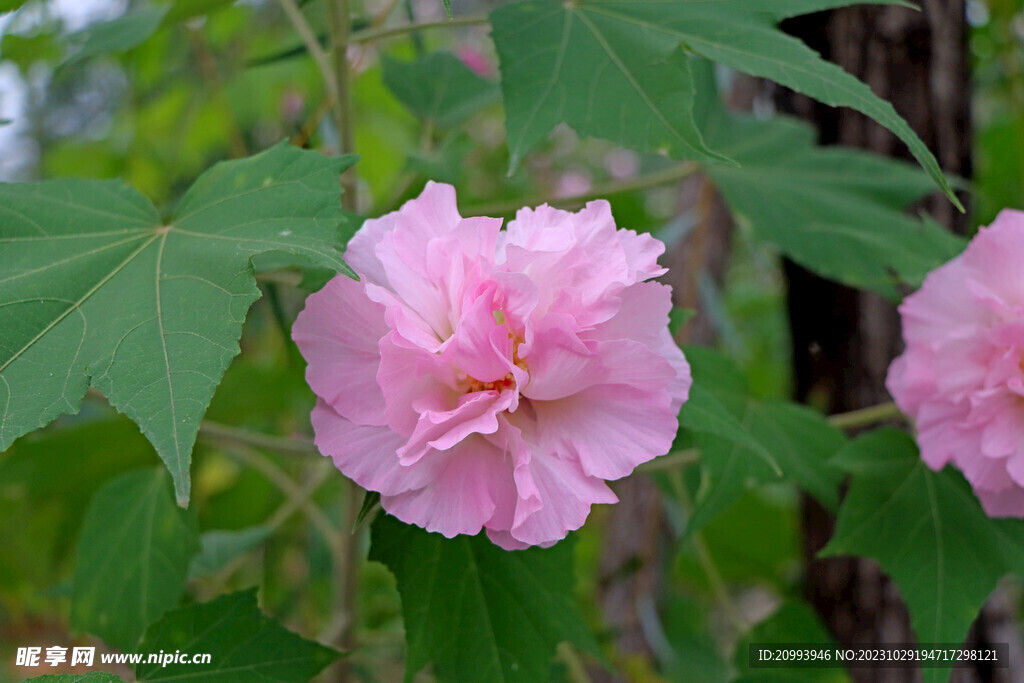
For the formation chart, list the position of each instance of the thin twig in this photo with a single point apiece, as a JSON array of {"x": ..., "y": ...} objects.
[
  {"x": 340, "y": 21},
  {"x": 289, "y": 507},
  {"x": 643, "y": 182},
  {"x": 280, "y": 444},
  {"x": 718, "y": 588},
  {"x": 672, "y": 461},
  {"x": 274, "y": 474},
  {"x": 210, "y": 73},
  {"x": 865, "y": 416},
  {"x": 372, "y": 34},
  {"x": 312, "y": 44}
]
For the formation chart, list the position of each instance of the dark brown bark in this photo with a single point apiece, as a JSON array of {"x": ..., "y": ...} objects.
[{"x": 843, "y": 340}]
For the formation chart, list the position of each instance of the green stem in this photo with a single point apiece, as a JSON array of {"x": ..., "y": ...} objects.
[
  {"x": 673, "y": 461},
  {"x": 256, "y": 460},
  {"x": 280, "y": 444},
  {"x": 340, "y": 21},
  {"x": 312, "y": 44},
  {"x": 373, "y": 34},
  {"x": 289, "y": 507},
  {"x": 865, "y": 416},
  {"x": 718, "y": 588},
  {"x": 643, "y": 182}
]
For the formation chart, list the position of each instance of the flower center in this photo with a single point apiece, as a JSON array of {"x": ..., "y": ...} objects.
[{"x": 506, "y": 382}]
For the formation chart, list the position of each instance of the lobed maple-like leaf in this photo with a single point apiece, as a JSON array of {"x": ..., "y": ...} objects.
[{"x": 97, "y": 290}]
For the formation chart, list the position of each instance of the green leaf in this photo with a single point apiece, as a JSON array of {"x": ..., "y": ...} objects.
[
  {"x": 767, "y": 441},
  {"x": 478, "y": 612},
  {"x": 11, "y": 5},
  {"x": 117, "y": 35},
  {"x": 572, "y": 63},
  {"x": 704, "y": 413},
  {"x": 368, "y": 510},
  {"x": 927, "y": 531},
  {"x": 97, "y": 290},
  {"x": 448, "y": 8},
  {"x": 438, "y": 88},
  {"x": 610, "y": 67},
  {"x": 91, "y": 677},
  {"x": 27, "y": 50},
  {"x": 243, "y": 644},
  {"x": 834, "y": 210},
  {"x": 133, "y": 555},
  {"x": 218, "y": 548}
]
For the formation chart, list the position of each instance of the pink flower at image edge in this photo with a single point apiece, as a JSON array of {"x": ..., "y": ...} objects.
[
  {"x": 961, "y": 377},
  {"x": 496, "y": 379}
]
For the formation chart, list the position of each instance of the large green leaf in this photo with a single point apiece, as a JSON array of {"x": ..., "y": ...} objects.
[
  {"x": 478, "y": 612},
  {"x": 133, "y": 556},
  {"x": 927, "y": 531},
  {"x": 779, "y": 440},
  {"x": 438, "y": 88},
  {"x": 243, "y": 645},
  {"x": 614, "y": 69},
  {"x": 566, "y": 62},
  {"x": 836, "y": 211},
  {"x": 98, "y": 290}
]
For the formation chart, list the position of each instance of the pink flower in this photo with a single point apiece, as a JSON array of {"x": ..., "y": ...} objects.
[
  {"x": 480, "y": 378},
  {"x": 961, "y": 376}
]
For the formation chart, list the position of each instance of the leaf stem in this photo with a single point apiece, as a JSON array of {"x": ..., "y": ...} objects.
[
  {"x": 865, "y": 416},
  {"x": 643, "y": 182},
  {"x": 253, "y": 458},
  {"x": 280, "y": 444},
  {"x": 372, "y": 34},
  {"x": 312, "y": 44},
  {"x": 673, "y": 461},
  {"x": 340, "y": 22},
  {"x": 718, "y": 588}
]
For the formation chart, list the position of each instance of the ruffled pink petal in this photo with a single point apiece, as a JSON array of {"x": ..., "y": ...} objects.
[
  {"x": 462, "y": 497},
  {"x": 481, "y": 347},
  {"x": 413, "y": 382},
  {"x": 476, "y": 413},
  {"x": 566, "y": 494},
  {"x": 367, "y": 454},
  {"x": 337, "y": 332},
  {"x": 608, "y": 429},
  {"x": 642, "y": 252}
]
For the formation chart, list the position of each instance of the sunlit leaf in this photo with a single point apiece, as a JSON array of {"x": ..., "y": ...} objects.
[{"x": 147, "y": 311}]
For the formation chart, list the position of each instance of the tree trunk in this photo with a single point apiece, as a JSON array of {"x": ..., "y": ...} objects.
[{"x": 844, "y": 340}]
